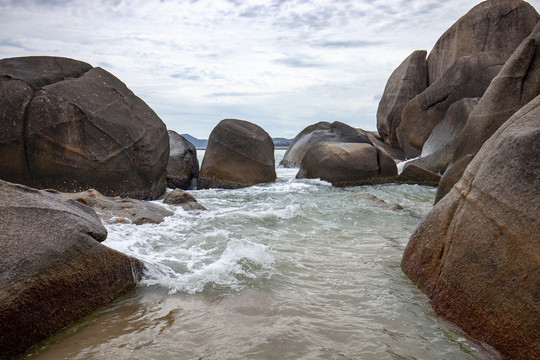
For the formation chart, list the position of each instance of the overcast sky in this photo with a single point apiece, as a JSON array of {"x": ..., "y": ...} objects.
[{"x": 282, "y": 64}]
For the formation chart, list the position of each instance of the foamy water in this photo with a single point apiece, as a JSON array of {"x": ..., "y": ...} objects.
[{"x": 296, "y": 269}]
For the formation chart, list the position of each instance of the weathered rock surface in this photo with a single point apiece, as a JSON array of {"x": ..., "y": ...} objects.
[
  {"x": 320, "y": 132},
  {"x": 184, "y": 199},
  {"x": 495, "y": 27},
  {"x": 347, "y": 164},
  {"x": 442, "y": 142},
  {"x": 516, "y": 84},
  {"x": 414, "y": 174},
  {"x": 71, "y": 127},
  {"x": 120, "y": 210},
  {"x": 183, "y": 166},
  {"x": 468, "y": 77},
  {"x": 239, "y": 154},
  {"x": 477, "y": 254},
  {"x": 53, "y": 269},
  {"x": 451, "y": 176},
  {"x": 408, "y": 80}
]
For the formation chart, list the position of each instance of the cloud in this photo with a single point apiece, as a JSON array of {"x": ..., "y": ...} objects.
[
  {"x": 11, "y": 43},
  {"x": 298, "y": 62},
  {"x": 349, "y": 43},
  {"x": 281, "y": 63}
]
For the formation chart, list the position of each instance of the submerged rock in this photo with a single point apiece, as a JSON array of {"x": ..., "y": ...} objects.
[
  {"x": 476, "y": 255},
  {"x": 184, "y": 199},
  {"x": 53, "y": 269},
  {"x": 71, "y": 127},
  {"x": 120, "y": 210},
  {"x": 376, "y": 201},
  {"x": 239, "y": 154},
  {"x": 183, "y": 166}
]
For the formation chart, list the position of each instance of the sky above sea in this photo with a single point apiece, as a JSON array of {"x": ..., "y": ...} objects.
[{"x": 281, "y": 64}]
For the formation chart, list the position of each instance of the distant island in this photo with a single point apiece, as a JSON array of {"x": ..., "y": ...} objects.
[
  {"x": 199, "y": 144},
  {"x": 202, "y": 143}
]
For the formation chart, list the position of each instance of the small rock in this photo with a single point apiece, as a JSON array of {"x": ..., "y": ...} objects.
[
  {"x": 184, "y": 199},
  {"x": 113, "y": 210}
]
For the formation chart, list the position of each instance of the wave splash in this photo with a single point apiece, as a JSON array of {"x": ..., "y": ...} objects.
[{"x": 240, "y": 263}]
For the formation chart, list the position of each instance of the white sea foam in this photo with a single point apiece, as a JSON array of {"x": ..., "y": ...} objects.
[
  {"x": 227, "y": 246},
  {"x": 241, "y": 261}
]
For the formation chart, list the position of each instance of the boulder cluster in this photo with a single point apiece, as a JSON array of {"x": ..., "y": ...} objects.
[
  {"x": 477, "y": 122},
  {"x": 468, "y": 113},
  {"x": 97, "y": 150}
]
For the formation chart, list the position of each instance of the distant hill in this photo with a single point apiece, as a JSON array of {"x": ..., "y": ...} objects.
[
  {"x": 282, "y": 142},
  {"x": 197, "y": 142},
  {"x": 202, "y": 143}
]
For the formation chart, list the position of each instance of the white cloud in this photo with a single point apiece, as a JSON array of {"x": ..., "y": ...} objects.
[{"x": 281, "y": 64}]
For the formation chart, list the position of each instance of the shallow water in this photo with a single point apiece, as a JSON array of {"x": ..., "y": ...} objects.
[{"x": 296, "y": 269}]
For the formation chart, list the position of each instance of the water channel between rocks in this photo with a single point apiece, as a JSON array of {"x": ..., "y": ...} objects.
[{"x": 296, "y": 269}]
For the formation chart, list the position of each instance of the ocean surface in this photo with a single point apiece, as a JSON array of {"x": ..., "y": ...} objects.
[{"x": 296, "y": 269}]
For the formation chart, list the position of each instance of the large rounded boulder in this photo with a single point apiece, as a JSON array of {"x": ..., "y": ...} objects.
[
  {"x": 462, "y": 64},
  {"x": 239, "y": 154},
  {"x": 183, "y": 166},
  {"x": 477, "y": 253},
  {"x": 517, "y": 83},
  {"x": 53, "y": 269},
  {"x": 320, "y": 132},
  {"x": 408, "y": 80},
  {"x": 69, "y": 126},
  {"x": 347, "y": 164},
  {"x": 495, "y": 27}
]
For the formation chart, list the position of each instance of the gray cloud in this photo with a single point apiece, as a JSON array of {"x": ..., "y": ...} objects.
[
  {"x": 235, "y": 94},
  {"x": 348, "y": 43},
  {"x": 184, "y": 76},
  {"x": 298, "y": 62},
  {"x": 12, "y": 43},
  {"x": 193, "y": 60}
]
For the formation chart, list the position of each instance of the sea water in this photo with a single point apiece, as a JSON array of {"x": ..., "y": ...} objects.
[{"x": 295, "y": 269}]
